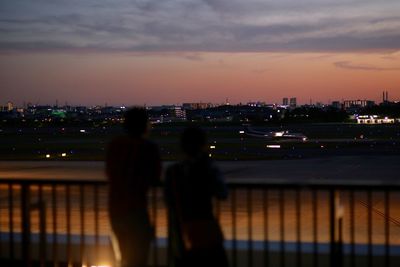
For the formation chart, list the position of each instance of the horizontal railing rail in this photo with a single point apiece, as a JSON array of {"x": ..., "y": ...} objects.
[{"x": 265, "y": 223}]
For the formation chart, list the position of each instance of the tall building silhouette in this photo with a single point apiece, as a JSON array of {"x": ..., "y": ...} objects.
[{"x": 293, "y": 102}]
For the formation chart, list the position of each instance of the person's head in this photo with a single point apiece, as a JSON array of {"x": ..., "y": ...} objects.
[
  {"x": 136, "y": 122},
  {"x": 193, "y": 141}
]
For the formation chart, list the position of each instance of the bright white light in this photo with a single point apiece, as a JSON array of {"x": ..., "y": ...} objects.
[
  {"x": 210, "y": 155},
  {"x": 63, "y": 154},
  {"x": 279, "y": 134},
  {"x": 83, "y": 131},
  {"x": 241, "y": 132},
  {"x": 273, "y": 146},
  {"x": 48, "y": 156},
  {"x": 212, "y": 147}
]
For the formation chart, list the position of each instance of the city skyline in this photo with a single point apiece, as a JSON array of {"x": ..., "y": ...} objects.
[
  {"x": 281, "y": 101},
  {"x": 155, "y": 52}
]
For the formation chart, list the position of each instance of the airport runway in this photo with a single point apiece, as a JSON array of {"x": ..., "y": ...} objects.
[{"x": 355, "y": 168}]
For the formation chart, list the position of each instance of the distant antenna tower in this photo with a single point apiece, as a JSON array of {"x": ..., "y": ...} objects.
[{"x": 385, "y": 96}]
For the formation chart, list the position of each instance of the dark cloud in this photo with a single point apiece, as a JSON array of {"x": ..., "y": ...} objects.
[
  {"x": 197, "y": 26},
  {"x": 349, "y": 65}
]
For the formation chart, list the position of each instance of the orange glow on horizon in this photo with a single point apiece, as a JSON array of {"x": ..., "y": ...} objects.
[{"x": 172, "y": 78}]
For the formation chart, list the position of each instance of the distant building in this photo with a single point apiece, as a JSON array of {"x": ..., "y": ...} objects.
[
  {"x": 336, "y": 104},
  {"x": 285, "y": 101},
  {"x": 180, "y": 112},
  {"x": 374, "y": 119},
  {"x": 189, "y": 106},
  {"x": 10, "y": 106},
  {"x": 256, "y": 104},
  {"x": 293, "y": 102},
  {"x": 358, "y": 103}
]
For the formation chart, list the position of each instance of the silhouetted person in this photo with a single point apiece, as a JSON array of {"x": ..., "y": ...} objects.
[
  {"x": 195, "y": 236},
  {"x": 133, "y": 166}
]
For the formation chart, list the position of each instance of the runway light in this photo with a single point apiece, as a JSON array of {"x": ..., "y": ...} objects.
[
  {"x": 273, "y": 146},
  {"x": 48, "y": 156},
  {"x": 212, "y": 147},
  {"x": 63, "y": 154}
]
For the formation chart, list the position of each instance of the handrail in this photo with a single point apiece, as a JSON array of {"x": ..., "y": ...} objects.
[{"x": 250, "y": 183}]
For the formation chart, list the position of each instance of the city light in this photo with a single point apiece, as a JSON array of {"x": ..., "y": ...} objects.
[
  {"x": 48, "y": 156},
  {"x": 273, "y": 146},
  {"x": 63, "y": 154},
  {"x": 212, "y": 147},
  {"x": 241, "y": 132},
  {"x": 82, "y": 131}
]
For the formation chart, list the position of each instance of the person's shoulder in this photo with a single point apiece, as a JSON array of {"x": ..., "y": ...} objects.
[
  {"x": 117, "y": 148},
  {"x": 121, "y": 140}
]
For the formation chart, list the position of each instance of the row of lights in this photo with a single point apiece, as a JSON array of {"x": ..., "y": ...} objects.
[{"x": 62, "y": 155}]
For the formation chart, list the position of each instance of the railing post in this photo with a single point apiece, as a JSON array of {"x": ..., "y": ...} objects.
[
  {"x": 26, "y": 225},
  {"x": 43, "y": 233},
  {"x": 336, "y": 214},
  {"x": 11, "y": 221}
]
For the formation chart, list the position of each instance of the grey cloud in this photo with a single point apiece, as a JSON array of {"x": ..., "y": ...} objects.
[
  {"x": 349, "y": 65},
  {"x": 197, "y": 26}
]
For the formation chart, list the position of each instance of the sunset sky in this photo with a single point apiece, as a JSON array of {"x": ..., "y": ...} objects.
[{"x": 125, "y": 52}]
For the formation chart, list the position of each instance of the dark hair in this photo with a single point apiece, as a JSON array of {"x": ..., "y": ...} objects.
[
  {"x": 193, "y": 140},
  {"x": 135, "y": 121}
]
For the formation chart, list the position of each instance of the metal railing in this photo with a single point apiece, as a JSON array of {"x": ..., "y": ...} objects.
[{"x": 266, "y": 223}]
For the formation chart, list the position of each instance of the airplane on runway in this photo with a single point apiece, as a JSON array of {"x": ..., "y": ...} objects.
[{"x": 275, "y": 135}]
